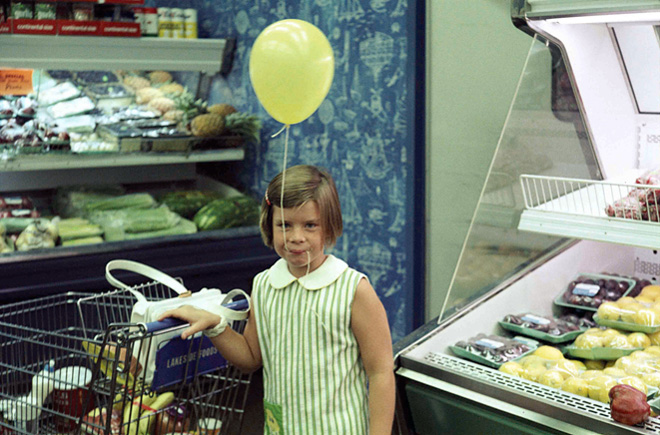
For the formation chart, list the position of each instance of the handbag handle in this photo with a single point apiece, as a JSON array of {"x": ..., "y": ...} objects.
[
  {"x": 165, "y": 279},
  {"x": 144, "y": 270}
]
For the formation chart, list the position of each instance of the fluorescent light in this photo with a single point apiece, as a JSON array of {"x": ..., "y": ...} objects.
[{"x": 629, "y": 17}]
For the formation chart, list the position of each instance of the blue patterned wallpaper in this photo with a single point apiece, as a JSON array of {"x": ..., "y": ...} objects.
[{"x": 362, "y": 133}]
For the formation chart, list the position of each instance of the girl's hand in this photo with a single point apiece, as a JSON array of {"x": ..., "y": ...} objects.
[{"x": 199, "y": 319}]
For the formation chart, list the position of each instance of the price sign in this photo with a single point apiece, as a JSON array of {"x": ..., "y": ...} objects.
[{"x": 15, "y": 81}]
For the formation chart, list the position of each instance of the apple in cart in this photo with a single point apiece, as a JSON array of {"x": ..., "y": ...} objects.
[{"x": 95, "y": 421}]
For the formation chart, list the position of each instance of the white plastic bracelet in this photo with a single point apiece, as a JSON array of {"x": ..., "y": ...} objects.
[{"x": 217, "y": 329}]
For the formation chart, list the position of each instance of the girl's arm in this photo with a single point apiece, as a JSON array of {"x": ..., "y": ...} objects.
[
  {"x": 241, "y": 350},
  {"x": 370, "y": 326}
]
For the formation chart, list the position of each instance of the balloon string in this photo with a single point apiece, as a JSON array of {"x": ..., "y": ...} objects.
[
  {"x": 285, "y": 127},
  {"x": 286, "y": 149}
]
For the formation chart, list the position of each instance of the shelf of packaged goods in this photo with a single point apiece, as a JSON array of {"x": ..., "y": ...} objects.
[
  {"x": 109, "y": 53},
  {"x": 622, "y": 213},
  {"x": 100, "y": 160}
]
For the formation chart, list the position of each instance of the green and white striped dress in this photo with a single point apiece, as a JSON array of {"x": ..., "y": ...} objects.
[{"x": 314, "y": 379}]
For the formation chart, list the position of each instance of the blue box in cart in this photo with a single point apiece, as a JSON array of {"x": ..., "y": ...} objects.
[{"x": 179, "y": 359}]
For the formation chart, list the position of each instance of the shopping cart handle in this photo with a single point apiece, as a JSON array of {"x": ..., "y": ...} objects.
[{"x": 172, "y": 322}]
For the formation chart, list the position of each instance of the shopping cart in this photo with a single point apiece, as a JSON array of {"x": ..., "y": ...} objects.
[{"x": 72, "y": 363}]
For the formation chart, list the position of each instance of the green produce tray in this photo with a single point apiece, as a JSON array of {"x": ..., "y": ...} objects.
[
  {"x": 559, "y": 300},
  {"x": 626, "y": 326},
  {"x": 604, "y": 353},
  {"x": 569, "y": 336},
  {"x": 654, "y": 404},
  {"x": 459, "y": 351}
]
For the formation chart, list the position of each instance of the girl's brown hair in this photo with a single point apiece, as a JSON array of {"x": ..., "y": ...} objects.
[{"x": 303, "y": 183}]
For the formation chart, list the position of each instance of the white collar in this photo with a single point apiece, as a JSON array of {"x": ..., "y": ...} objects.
[{"x": 325, "y": 275}]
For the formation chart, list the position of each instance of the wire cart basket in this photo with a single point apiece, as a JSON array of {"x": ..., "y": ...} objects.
[{"x": 73, "y": 363}]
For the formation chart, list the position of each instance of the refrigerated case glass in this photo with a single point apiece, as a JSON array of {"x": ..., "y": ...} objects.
[{"x": 543, "y": 134}]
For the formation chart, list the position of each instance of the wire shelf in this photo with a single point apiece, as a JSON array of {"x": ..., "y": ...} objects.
[
  {"x": 593, "y": 198},
  {"x": 622, "y": 213}
]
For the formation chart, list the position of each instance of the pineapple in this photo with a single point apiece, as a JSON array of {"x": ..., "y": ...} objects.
[
  {"x": 208, "y": 125},
  {"x": 245, "y": 125},
  {"x": 191, "y": 108},
  {"x": 222, "y": 109},
  {"x": 172, "y": 88},
  {"x": 161, "y": 104},
  {"x": 144, "y": 95},
  {"x": 175, "y": 115},
  {"x": 160, "y": 77},
  {"x": 136, "y": 82}
]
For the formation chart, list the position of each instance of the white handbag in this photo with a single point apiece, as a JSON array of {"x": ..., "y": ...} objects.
[{"x": 146, "y": 312}]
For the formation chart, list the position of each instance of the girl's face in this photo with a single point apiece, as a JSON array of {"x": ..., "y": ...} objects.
[{"x": 304, "y": 235}]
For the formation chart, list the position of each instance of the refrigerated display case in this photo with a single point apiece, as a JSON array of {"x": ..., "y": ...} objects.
[
  {"x": 219, "y": 258},
  {"x": 567, "y": 193}
]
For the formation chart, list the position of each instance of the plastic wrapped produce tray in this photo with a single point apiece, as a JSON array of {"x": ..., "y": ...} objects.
[
  {"x": 459, "y": 351},
  {"x": 627, "y": 326},
  {"x": 554, "y": 339},
  {"x": 600, "y": 353},
  {"x": 562, "y": 303}
]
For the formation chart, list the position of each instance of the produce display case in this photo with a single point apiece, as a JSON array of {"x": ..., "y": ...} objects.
[
  {"x": 569, "y": 192},
  {"x": 38, "y": 167}
]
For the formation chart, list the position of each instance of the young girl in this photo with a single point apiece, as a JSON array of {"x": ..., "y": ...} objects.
[{"x": 316, "y": 325}]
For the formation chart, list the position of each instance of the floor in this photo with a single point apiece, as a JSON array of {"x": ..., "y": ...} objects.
[{"x": 253, "y": 418}]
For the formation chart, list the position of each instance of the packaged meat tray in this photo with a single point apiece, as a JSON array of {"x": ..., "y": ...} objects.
[
  {"x": 543, "y": 328},
  {"x": 587, "y": 291},
  {"x": 493, "y": 350}
]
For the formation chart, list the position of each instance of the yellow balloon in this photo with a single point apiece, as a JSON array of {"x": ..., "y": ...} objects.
[{"x": 291, "y": 69}]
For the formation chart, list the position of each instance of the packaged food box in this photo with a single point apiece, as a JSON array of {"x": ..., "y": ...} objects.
[
  {"x": 107, "y": 96},
  {"x": 62, "y": 92},
  {"x": 544, "y": 328},
  {"x": 493, "y": 350},
  {"x": 587, "y": 291},
  {"x": 73, "y": 107}
]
